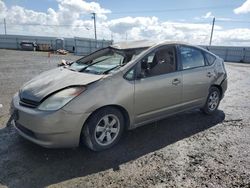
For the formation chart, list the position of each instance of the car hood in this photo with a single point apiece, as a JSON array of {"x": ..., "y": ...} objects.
[{"x": 54, "y": 80}]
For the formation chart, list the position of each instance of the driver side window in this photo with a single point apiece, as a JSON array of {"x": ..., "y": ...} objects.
[{"x": 161, "y": 61}]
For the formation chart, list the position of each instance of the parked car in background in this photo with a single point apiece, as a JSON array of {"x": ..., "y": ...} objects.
[
  {"x": 126, "y": 85},
  {"x": 28, "y": 45}
]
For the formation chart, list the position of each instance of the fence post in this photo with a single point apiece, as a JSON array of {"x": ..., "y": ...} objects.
[
  {"x": 51, "y": 45},
  {"x": 90, "y": 45},
  {"x": 244, "y": 55},
  {"x": 226, "y": 54},
  {"x": 17, "y": 46},
  {"x": 75, "y": 52}
]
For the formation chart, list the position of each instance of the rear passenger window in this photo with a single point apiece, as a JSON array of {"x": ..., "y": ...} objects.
[
  {"x": 191, "y": 57},
  {"x": 210, "y": 58}
]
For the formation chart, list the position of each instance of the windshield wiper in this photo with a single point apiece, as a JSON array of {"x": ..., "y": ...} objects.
[
  {"x": 107, "y": 71},
  {"x": 93, "y": 64}
]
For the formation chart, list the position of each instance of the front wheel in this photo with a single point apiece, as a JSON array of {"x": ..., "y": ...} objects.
[
  {"x": 103, "y": 129},
  {"x": 213, "y": 101}
]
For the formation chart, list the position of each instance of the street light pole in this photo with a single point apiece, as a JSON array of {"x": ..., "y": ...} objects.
[
  {"x": 212, "y": 31},
  {"x": 4, "y": 22},
  {"x": 94, "y": 17}
]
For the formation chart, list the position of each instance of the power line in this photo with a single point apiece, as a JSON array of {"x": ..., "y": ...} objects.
[
  {"x": 88, "y": 28},
  {"x": 170, "y": 22},
  {"x": 232, "y": 21},
  {"x": 172, "y": 9},
  {"x": 51, "y": 25}
]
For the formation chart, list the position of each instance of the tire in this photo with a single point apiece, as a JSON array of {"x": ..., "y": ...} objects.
[
  {"x": 103, "y": 129},
  {"x": 213, "y": 101}
]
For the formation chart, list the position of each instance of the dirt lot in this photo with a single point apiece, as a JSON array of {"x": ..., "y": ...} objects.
[{"x": 187, "y": 150}]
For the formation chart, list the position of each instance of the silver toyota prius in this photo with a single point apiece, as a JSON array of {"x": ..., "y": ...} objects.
[{"x": 96, "y": 98}]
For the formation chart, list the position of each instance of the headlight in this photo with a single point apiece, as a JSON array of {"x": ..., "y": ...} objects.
[{"x": 61, "y": 98}]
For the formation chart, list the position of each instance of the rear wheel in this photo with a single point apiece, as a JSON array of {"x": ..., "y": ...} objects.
[
  {"x": 103, "y": 129},
  {"x": 213, "y": 101}
]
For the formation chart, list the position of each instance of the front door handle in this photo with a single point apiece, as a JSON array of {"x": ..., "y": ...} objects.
[
  {"x": 176, "y": 81},
  {"x": 209, "y": 74}
]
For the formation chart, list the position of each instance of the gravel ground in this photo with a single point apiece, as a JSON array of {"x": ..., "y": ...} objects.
[{"x": 186, "y": 150}]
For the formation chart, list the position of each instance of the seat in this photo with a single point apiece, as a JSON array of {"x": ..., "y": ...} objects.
[{"x": 164, "y": 63}]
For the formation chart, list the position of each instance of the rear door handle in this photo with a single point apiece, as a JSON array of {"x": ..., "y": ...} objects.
[{"x": 176, "y": 81}]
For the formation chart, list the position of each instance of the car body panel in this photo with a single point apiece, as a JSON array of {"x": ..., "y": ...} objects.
[
  {"x": 155, "y": 95},
  {"x": 105, "y": 93},
  {"x": 54, "y": 80},
  {"x": 196, "y": 85}
]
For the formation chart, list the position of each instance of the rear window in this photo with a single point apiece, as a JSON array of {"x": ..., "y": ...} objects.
[
  {"x": 191, "y": 57},
  {"x": 210, "y": 58}
]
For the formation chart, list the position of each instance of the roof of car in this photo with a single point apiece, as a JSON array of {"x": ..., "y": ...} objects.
[
  {"x": 133, "y": 44},
  {"x": 140, "y": 44}
]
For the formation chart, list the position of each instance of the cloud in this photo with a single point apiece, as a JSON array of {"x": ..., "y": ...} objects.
[
  {"x": 244, "y": 8},
  {"x": 123, "y": 24},
  {"x": 151, "y": 28},
  {"x": 77, "y": 7},
  {"x": 80, "y": 5},
  {"x": 232, "y": 37},
  {"x": 68, "y": 12},
  {"x": 208, "y": 15},
  {"x": 73, "y": 18},
  {"x": 3, "y": 9}
]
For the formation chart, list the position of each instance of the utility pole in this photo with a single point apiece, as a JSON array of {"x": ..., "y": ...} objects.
[
  {"x": 4, "y": 22},
  {"x": 94, "y": 14},
  {"x": 212, "y": 31}
]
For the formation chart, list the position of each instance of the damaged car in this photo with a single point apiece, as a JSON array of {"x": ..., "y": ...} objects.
[{"x": 95, "y": 99}]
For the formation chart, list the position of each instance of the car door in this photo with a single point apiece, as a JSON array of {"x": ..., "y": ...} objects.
[
  {"x": 159, "y": 86},
  {"x": 196, "y": 76}
]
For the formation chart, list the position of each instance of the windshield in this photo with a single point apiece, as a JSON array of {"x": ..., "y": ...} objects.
[{"x": 105, "y": 60}]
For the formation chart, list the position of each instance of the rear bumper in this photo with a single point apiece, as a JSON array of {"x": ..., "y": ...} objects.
[{"x": 55, "y": 129}]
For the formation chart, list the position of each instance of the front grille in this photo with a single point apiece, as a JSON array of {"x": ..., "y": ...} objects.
[
  {"x": 28, "y": 103},
  {"x": 25, "y": 130}
]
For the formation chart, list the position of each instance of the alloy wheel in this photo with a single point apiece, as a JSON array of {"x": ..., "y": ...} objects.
[
  {"x": 107, "y": 129},
  {"x": 213, "y": 100}
]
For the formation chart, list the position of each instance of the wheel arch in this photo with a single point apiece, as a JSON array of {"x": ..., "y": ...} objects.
[{"x": 118, "y": 107}]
